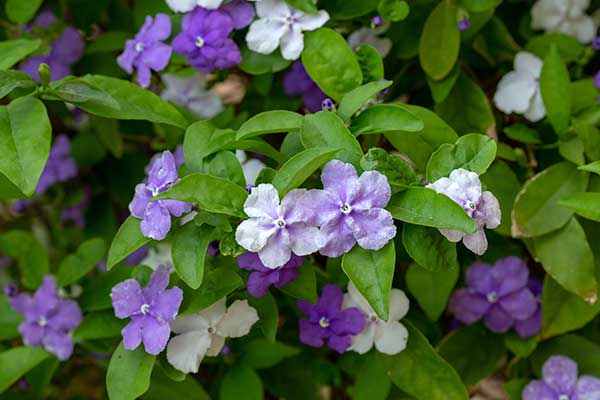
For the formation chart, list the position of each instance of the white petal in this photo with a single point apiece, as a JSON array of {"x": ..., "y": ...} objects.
[
  {"x": 548, "y": 14},
  {"x": 452, "y": 235},
  {"x": 391, "y": 338},
  {"x": 476, "y": 242},
  {"x": 216, "y": 345},
  {"x": 310, "y": 22},
  {"x": 253, "y": 234},
  {"x": 584, "y": 29},
  {"x": 529, "y": 63},
  {"x": 206, "y": 105},
  {"x": 277, "y": 251},
  {"x": 252, "y": 169},
  {"x": 514, "y": 92},
  {"x": 399, "y": 304},
  {"x": 241, "y": 156},
  {"x": 189, "y": 323},
  {"x": 491, "y": 210},
  {"x": 273, "y": 8},
  {"x": 363, "y": 342},
  {"x": 292, "y": 43},
  {"x": 238, "y": 320},
  {"x": 185, "y": 352},
  {"x": 359, "y": 300},
  {"x": 262, "y": 202},
  {"x": 537, "y": 110},
  {"x": 210, "y": 4},
  {"x": 264, "y": 35},
  {"x": 215, "y": 312},
  {"x": 181, "y": 6}
]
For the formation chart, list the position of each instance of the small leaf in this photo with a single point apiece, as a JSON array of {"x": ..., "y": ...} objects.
[
  {"x": 32, "y": 256},
  {"x": 429, "y": 248},
  {"x": 502, "y": 181},
  {"x": 128, "y": 239},
  {"x": 11, "y": 80},
  {"x": 15, "y": 50},
  {"x": 397, "y": 171},
  {"x": 370, "y": 62},
  {"x": 432, "y": 289},
  {"x": 522, "y": 133},
  {"x": 519, "y": 346},
  {"x": 80, "y": 93},
  {"x": 77, "y": 265},
  {"x": 99, "y": 325},
  {"x": 307, "y": 6},
  {"x": 591, "y": 167},
  {"x": 263, "y": 353},
  {"x": 568, "y": 46},
  {"x": 128, "y": 374},
  {"x": 217, "y": 284},
  {"x": 356, "y": 98},
  {"x": 190, "y": 247},
  {"x": 555, "y": 89},
  {"x": 278, "y": 121},
  {"x": 16, "y": 362},
  {"x": 440, "y": 41},
  {"x": 384, "y": 118},
  {"x": 305, "y": 284},
  {"x": 258, "y": 64},
  {"x": 393, "y": 10}
]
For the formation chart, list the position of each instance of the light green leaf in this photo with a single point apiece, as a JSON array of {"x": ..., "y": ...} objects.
[
  {"x": 522, "y": 133},
  {"x": 190, "y": 247},
  {"x": 356, "y": 98},
  {"x": 591, "y": 167},
  {"x": 432, "y": 289},
  {"x": 393, "y": 10},
  {"x": 568, "y": 46},
  {"x": 32, "y": 256},
  {"x": 385, "y": 118},
  {"x": 372, "y": 382},
  {"x": 479, "y": 5},
  {"x": 99, "y": 325},
  {"x": 555, "y": 89},
  {"x": 440, "y": 41},
  {"x": 519, "y": 346},
  {"x": 11, "y": 80},
  {"x": 270, "y": 122},
  {"x": 75, "y": 266},
  {"x": 258, "y": 64},
  {"x": 429, "y": 248},
  {"x": 163, "y": 387},
  {"x": 585, "y": 204},
  {"x": 217, "y": 284},
  {"x": 9, "y": 320},
  {"x": 128, "y": 239},
  {"x": 397, "y": 171},
  {"x": 21, "y": 11},
  {"x": 370, "y": 62},
  {"x": 128, "y": 374},
  {"x": 15, "y": 50},
  {"x": 16, "y": 362},
  {"x": 303, "y": 5},
  {"x": 226, "y": 165},
  {"x": 442, "y": 88},
  {"x": 501, "y": 180}
]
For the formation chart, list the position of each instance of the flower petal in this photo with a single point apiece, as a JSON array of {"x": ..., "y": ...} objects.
[
  {"x": 530, "y": 326},
  {"x": 132, "y": 333},
  {"x": 215, "y": 312},
  {"x": 238, "y": 320},
  {"x": 311, "y": 334},
  {"x": 521, "y": 304},
  {"x": 479, "y": 277},
  {"x": 310, "y": 22},
  {"x": 58, "y": 343},
  {"x": 126, "y": 298},
  {"x": 166, "y": 306},
  {"x": 468, "y": 306},
  {"x": 399, "y": 305},
  {"x": 498, "y": 320},
  {"x": 189, "y": 323},
  {"x": 216, "y": 345},
  {"x": 157, "y": 221},
  {"x": 363, "y": 342},
  {"x": 276, "y": 251},
  {"x": 372, "y": 191},
  {"x": 350, "y": 321},
  {"x": 304, "y": 239},
  {"x": 538, "y": 390},
  {"x": 264, "y": 34},
  {"x": 588, "y": 388},
  {"x": 514, "y": 92},
  {"x": 560, "y": 373},
  {"x": 372, "y": 229},
  {"x": 476, "y": 242},
  {"x": 262, "y": 202},
  {"x": 185, "y": 352},
  {"x": 528, "y": 63},
  {"x": 292, "y": 43},
  {"x": 510, "y": 274},
  {"x": 390, "y": 337},
  {"x": 253, "y": 234},
  {"x": 338, "y": 179},
  {"x": 138, "y": 205},
  {"x": 155, "y": 335},
  {"x": 338, "y": 237}
]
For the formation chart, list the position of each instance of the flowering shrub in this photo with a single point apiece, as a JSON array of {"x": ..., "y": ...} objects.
[{"x": 298, "y": 199}]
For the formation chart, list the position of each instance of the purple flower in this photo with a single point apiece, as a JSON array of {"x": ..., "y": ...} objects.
[
  {"x": 597, "y": 79},
  {"x": 147, "y": 52},
  {"x": 275, "y": 231},
  {"x": 60, "y": 166},
  {"x": 240, "y": 11},
  {"x": 156, "y": 215},
  {"x": 137, "y": 256},
  {"x": 349, "y": 209},
  {"x": 596, "y": 43},
  {"x": 499, "y": 294},
  {"x": 48, "y": 318},
  {"x": 377, "y": 20},
  {"x": 326, "y": 321},
  {"x": 327, "y": 104},
  {"x": 262, "y": 277},
  {"x": 75, "y": 213},
  {"x": 532, "y": 325},
  {"x": 150, "y": 309},
  {"x": 205, "y": 41},
  {"x": 559, "y": 382},
  {"x": 464, "y": 24},
  {"x": 296, "y": 82}
]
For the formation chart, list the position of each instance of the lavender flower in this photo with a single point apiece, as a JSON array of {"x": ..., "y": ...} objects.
[
  {"x": 190, "y": 93},
  {"x": 137, "y": 256},
  {"x": 327, "y": 104},
  {"x": 296, "y": 82},
  {"x": 60, "y": 166},
  {"x": 150, "y": 309},
  {"x": 147, "y": 52},
  {"x": 464, "y": 188},
  {"x": 349, "y": 209},
  {"x": 364, "y": 35},
  {"x": 377, "y": 20},
  {"x": 156, "y": 215},
  {"x": 326, "y": 321},
  {"x": 596, "y": 43},
  {"x": 188, "y": 5},
  {"x": 275, "y": 231},
  {"x": 532, "y": 325},
  {"x": 262, "y": 277},
  {"x": 48, "y": 318},
  {"x": 464, "y": 24},
  {"x": 597, "y": 79},
  {"x": 498, "y": 294},
  {"x": 559, "y": 382}
]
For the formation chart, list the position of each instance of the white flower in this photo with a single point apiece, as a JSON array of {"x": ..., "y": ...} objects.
[
  {"x": 189, "y": 92},
  {"x": 204, "y": 334},
  {"x": 251, "y": 167},
  {"x": 161, "y": 255},
  {"x": 464, "y": 188},
  {"x": 519, "y": 90},
  {"x": 390, "y": 336},
  {"x": 280, "y": 24},
  {"x": 364, "y": 35},
  {"x": 184, "y": 6},
  {"x": 564, "y": 16}
]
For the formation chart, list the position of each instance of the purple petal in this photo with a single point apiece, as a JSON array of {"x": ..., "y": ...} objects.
[
  {"x": 372, "y": 190},
  {"x": 296, "y": 81},
  {"x": 339, "y": 238},
  {"x": 305, "y": 307},
  {"x": 259, "y": 282},
  {"x": 58, "y": 343},
  {"x": 313, "y": 98},
  {"x": 339, "y": 343},
  {"x": 498, "y": 320},
  {"x": 69, "y": 47},
  {"x": 520, "y": 304},
  {"x": 31, "y": 66},
  {"x": 588, "y": 388},
  {"x": 126, "y": 298},
  {"x": 31, "y": 332},
  {"x": 132, "y": 333},
  {"x": 166, "y": 306},
  {"x": 560, "y": 373},
  {"x": 157, "y": 57},
  {"x": 163, "y": 171},
  {"x": 331, "y": 300},
  {"x": 251, "y": 262},
  {"x": 339, "y": 178},
  {"x": 538, "y": 390},
  {"x": 128, "y": 57},
  {"x": 468, "y": 306},
  {"x": 479, "y": 278},
  {"x": 286, "y": 275},
  {"x": 144, "y": 74},
  {"x": 183, "y": 44},
  {"x": 160, "y": 29},
  {"x": 45, "y": 298},
  {"x": 311, "y": 334},
  {"x": 304, "y": 239},
  {"x": 138, "y": 205},
  {"x": 155, "y": 335},
  {"x": 159, "y": 280},
  {"x": 372, "y": 229},
  {"x": 318, "y": 207},
  {"x": 351, "y": 321},
  {"x": 276, "y": 251},
  {"x": 66, "y": 316},
  {"x": 21, "y": 303},
  {"x": 157, "y": 221},
  {"x": 240, "y": 11},
  {"x": 530, "y": 326},
  {"x": 511, "y": 274},
  {"x": 177, "y": 208}
]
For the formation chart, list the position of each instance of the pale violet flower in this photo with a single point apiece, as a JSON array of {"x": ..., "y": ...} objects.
[
  {"x": 369, "y": 36},
  {"x": 464, "y": 188},
  {"x": 564, "y": 16},
  {"x": 250, "y": 166},
  {"x": 389, "y": 337},
  {"x": 519, "y": 90},
  {"x": 190, "y": 93},
  {"x": 282, "y": 25},
  {"x": 203, "y": 334},
  {"x": 184, "y": 6}
]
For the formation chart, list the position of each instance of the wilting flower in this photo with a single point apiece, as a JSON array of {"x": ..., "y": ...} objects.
[
  {"x": 564, "y": 16},
  {"x": 371, "y": 37},
  {"x": 560, "y": 382},
  {"x": 184, "y": 6},
  {"x": 147, "y": 52},
  {"x": 275, "y": 231},
  {"x": 464, "y": 188},
  {"x": 519, "y": 90},
  {"x": 156, "y": 215},
  {"x": 282, "y": 25},
  {"x": 203, "y": 334},
  {"x": 60, "y": 166},
  {"x": 389, "y": 337},
  {"x": 296, "y": 82},
  {"x": 350, "y": 209},
  {"x": 262, "y": 278},
  {"x": 498, "y": 294},
  {"x": 49, "y": 319},
  {"x": 150, "y": 310},
  {"x": 327, "y": 321},
  {"x": 190, "y": 93},
  {"x": 251, "y": 167}
]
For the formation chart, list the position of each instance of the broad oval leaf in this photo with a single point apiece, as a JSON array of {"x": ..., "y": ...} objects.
[
  {"x": 190, "y": 247},
  {"x": 440, "y": 41},
  {"x": 258, "y": 64},
  {"x": 429, "y": 248},
  {"x": 15, "y": 50},
  {"x": 578, "y": 348},
  {"x": 432, "y": 289},
  {"x": 555, "y": 89},
  {"x": 217, "y": 284},
  {"x": 76, "y": 265},
  {"x": 502, "y": 181},
  {"x": 356, "y": 98},
  {"x": 21, "y": 11},
  {"x": 99, "y": 325},
  {"x": 370, "y": 62},
  {"x": 349, "y": 9},
  {"x": 17, "y": 361},
  {"x": 129, "y": 238},
  {"x": 80, "y": 93},
  {"x": 584, "y": 204},
  {"x": 386, "y": 118},
  {"x": 278, "y": 121},
  {"x": 11, "y": 80},
  {"x": 241, "y": 382},
  {"x": 31, "y": 255},
  {"x": 397, "y": 171},
  {"x": 128, "y": 374},
  {"x": 304, "y": 286}
]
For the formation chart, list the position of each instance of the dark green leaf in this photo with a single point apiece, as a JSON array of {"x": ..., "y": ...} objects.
[
  {"x": 258, "y": 64},
  {"x": 268, "y": 314},
  {"x": 555, "y": 88},
  {"x": 441, "y": 89},
  {"x": 80, "y": 93},
  {"x": 99, "y": 325},
  {"x": 128, "y": 239},
  {"x": 432, "y": 289},
  {"x": 270, "y": 122},
  {"x": 386, "y": 118},
  {"x": 349, "y": 9},
  {"x": 305, "y": 284},
  {"x": 217, "y": 284},
  {"x": 429, "y": 248},
  {"x": 370, "y": 62},
  {"x": 372, "y": 382},
  {"x": 522, "y": 133},
  {"x": 393, "y": 10},
  {"x": 519, "y": 346},
  {"x": 190, "y": 247},
  {"x": 303, "y": 5},
  {"x": 16, "y": 362},
  {"x": 263, "y": 353},
  {"x": 582, "y": 351},
  {"x": 226, "y": 165},
  {"x": 76, "y": 265},
  {"x": 397, "y": 171},
  {"x": 241, "y": 382},
  {"x": 32, "y": 256},
  {"x": 355, "y": 99},
  {"x": 504, "y": 184}
]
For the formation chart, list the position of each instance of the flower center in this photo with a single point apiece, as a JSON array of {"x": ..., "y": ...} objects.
[
  {"x": 280, "y": 222},
  {"x": 471, "y": 205},
  {"x": 323, "y": 322},
  {"x": 345, "y": 208},
  {"x": 199, "y": 42},
  {"x": 144, "y": 308},
  {"x": 139, "y": 47},
  {"x": 289, "y": 20},
  {"x": 373, "y": 318},
  {"x": 563, "y": 397},
  {"x": 211, "y": 330},
  {"x": 42, "y": 321},
  {"x": 492, "y": 297}
]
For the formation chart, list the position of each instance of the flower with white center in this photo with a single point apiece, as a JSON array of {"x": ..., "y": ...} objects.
[
  {"x": 282, "y": 25},
  {"x": 519, "y": 90},
  {"x": 250, "y": 166},
  {"x": 564, "y": 16},
  {"x": 364, "y": 35},
  {"x": 190, "y": 93},
  {"x": 389, "y": 337},
  {"x": 203, "y": 334},
  {"x": 161, "y": 255},
  {"x": 184, "y": 6}
]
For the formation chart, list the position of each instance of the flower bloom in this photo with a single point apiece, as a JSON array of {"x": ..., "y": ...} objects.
[
  {"x": 327, "y": 321},
  {"x": 296, "y": 82},
  {"x": 464, "y": 24},
  {"x": 150, "y": 309},
  {"x": 499, "y": 295},
  {"x": 350, "y": 209},
  {"x": 564, "y": 16},
  {"x": 275, "y": 231},
  {"x": 204, "y": 333},
  {"x": 184, "y": 6},
  {"x": 559, "y": 382},
  {"x": 75, "y": 212},
  {"x": 147, "y": 52},
  {"x": 519, "y": 90},
  {"x": 60, "y": 166},
  {"x": 464, "y": 188},
  {"x": 371, "y": 37},
  {"x": 49, "y": 319},
  {"x": 262, "y": 277},
  {"x": 251, "y": 167},
  {"x": 156, "y": 215},
  {"x": 389, "y": 337},
  {"x": 189, "y": 92},
  {"x": 282, "y": 25}
]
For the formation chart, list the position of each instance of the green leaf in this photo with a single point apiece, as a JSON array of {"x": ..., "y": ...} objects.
[
  {"x": 555, "y": 89},
  {"x": 241, "y": 382},
  {"x": 566, "y": 255},
  {"x": 21, "y": 11},
  {"x": 393, "y": 10},
  {"x": 96, "y": 291},
  {"x": 479, "y": 5},
  {"x": 568, "y": 46},
  {"x": 372, "y": 272},
  {"x": 263, "y": 353},
  {"x": 473, "y": 351},
  {"x": 270, "y": 122},
  {"x": 107, "y": 42},
  {"x": 584, "y": 94},
  {"x": 109, "y": 134},
  {"x": 385, "y": 118},
  {"x": 258, "y": 64},
  {"x": 213, "y": 194},
  {"x": 591, "y": 167},
  {"x": 581, "y": 350},
  {"x": 163, "y": 387},
  {"x": 355, "y": 99},
  {"x": 128, "y": 374},
  {"x": 571, "y": 148},
  {"x": 442, "y": 88},
  {"x": 15, "y": 50},
  {"x": 16, "y": 362},
  {"x": 99, "y": 325},
  {"x": 440, "y": 41},
  {"x": 80, "y": 93},
  {"x": 298, "y": 168},
  {"x": 423, "y": 374},
  {"x": 519, "y": 346},
  {"x": 268, "y": 314},
  {"x": 493, "y": 41},
  {"x": 304, "y": 286},
  {"x": 372, "y": 382},
  {"x": 330, "y": 62},
  {"x": 9, "y": 320},
  {"x": 537, "y": 210},
  {"x": 25, "y": 133},
  {"x": 501, "y": 180},
  {"x": 397, "y": 171},
  {"x": 472, "y": 152},
  {"x": 590, "y": 137},
  {"x": 217, "y": 284},
  {"x": 585, "y": 204},
  {"x": 226, "y": 165},
  {"x": 522, "y": 133},
  {"x": 514, "y": 387},
  {"x": 303, "y": 5},
  {"x": 75, "y": 266},
  {"x": 190, "y": 247},
  {"x": 370, "y": 62},
  {"x": 32, "y": 256},
  {"x": 11, "y": 80},
  {"x": 128, "y": 239},
  {"x": 432, "y": 289},
  {"x": 429, "y": 248},
  {"x": 423, "y": 206},
  {"x": 349, "y": 9}
]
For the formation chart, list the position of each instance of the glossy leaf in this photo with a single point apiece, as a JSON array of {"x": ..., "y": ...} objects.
[
  {"x": 584, "y": 204},
  {"x": 217, "y": 284},
  {"x": 305, "y": 284},
  {"x": 128, "y": 239},
  {"x": 428, "y": 248},
  {"x": 11, "y": 80},
  {"x": 270, "y": 122},
  {"x": 128, "y": 374},
  {"x": 501, "y": 180},
  {"x": 356, "y": 98},
  {"x": 555, "y": 89},
  {"x": 370, "y": 62},
  {"x": 241, "y": 382},
  {"x": 15, "y": 50},
  {"x": 432, "y": 289},
  {"x": 386, "y": 118},
  {"x": 77, "y": 265},
  {"x": 440, "y": 41},
  {"x": 190, "y": 247},
  {"x": 397, "y": 171},
  {"x": 30, "y": 254},
  {"x": 17, "y": 361}
]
